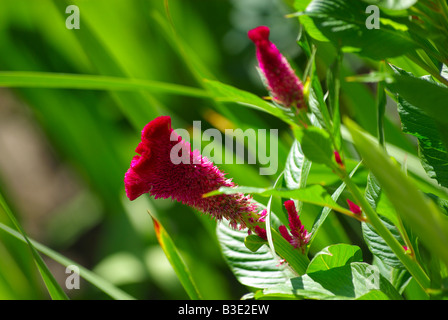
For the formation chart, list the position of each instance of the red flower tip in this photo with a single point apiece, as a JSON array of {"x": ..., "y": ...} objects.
[
  {"x": 259, "y": 34},
  {"x": 354, "y": 207},
  {"x": 283, "y": 84},
  {"x": 290, "y": 207},
  {"x": 337, "y": 158}
]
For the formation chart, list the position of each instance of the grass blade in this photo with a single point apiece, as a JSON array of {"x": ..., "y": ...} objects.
[
  {"x": 175, "y": 260},
  {"x": 92, "y": 82},
  {"x": 54, "y": 289}
]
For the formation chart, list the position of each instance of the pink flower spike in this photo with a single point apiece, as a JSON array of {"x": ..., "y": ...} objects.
[
  {"x": 354, "y": 208},
  {"x": 153, "y": 172},
  {"x": 285, "y": 87},
  {"x": 261, "y": 232},
  {"x": 285, "y": 234},
  {"x": 337, "y": 158},
  {"x": 299, "y": 236}
]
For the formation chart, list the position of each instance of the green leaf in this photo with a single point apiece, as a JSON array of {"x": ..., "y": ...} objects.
[
  {"x": 393, "y": 4},
  {"x": 175, "y": 260},
  {"x": 379, "y": 247},
  {"x": 350, "y": 281},
  {"x": 307, "y": 22},
  {"x": 297, "y": 168},
  {"x": 254, "y": 242},
  {"x": 399, "y": 278},
  {"x": 426, "y": 95},
  {"x": 316, "y": 145},
  {"x": 344, "y": 24},
  {"x": 226, "y": 93},
  {"x": 54, "y": 289},
  {"x": 414, "y": 208},
  {"x": 333, "y": 256},
  {"x": 255, "y": 269},
  {"x": 432, "y": 151},
  {"x": 374, "y": 295},
  {"x": 91, "y": 82}
]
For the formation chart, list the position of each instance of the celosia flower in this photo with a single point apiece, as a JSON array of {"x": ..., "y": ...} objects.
[
  {"x": 285, "y": 87},
  {"x": 299, "y": 236},
  {"x": 354, "y": 207},
  {"x": 337, "y": 158},
  {"x": 153, "y": 172}
]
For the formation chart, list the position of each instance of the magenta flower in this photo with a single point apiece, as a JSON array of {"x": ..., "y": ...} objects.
[
  {"x": 153, "y": 172},
  {"x": 285, "y": 87},
  {"x": 299, "y": 236},
  {"x": 354, "y": 208},
  {"x": 337, "y": 158}
]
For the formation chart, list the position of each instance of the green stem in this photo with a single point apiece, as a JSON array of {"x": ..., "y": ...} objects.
[
  {"x": 381, "y": 107},
  {"x": 412, "y": 266}
]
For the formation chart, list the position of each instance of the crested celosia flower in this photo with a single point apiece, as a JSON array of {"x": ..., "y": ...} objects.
[
  {"x": 285, "y": 87},
  {"x": 153, "y": 171},
  {"x": 354, "y": 208},
  {"x": 299, "y": 236}
]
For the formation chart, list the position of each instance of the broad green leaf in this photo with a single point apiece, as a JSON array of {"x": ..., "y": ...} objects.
[
  {"x": 86, "y": 274},
  {"x": 54, "y": 289},
  {"x": 176, "y": 261},
  {"x": 91, "y": 82},
  {"x": 381, "y": 204},
  {"x": 374, "y": 295},
  {"x": 254, "y": 242},
  {"x": 432, "y": 151},
  {"x": 393, "y": 4},
  {"x": 428, "y": 96},
  {"x": 350, "y": 281},
  {"x": 379, "y": 247},
  {"x": 255, "y": 269},
  {"x": 344, "y": 24},
  {"x": 281, "y": 292},
  {"x": 414, "y": 208},
  {"x": 334, "y": 256},
  {"x": 316, "y": 145},
  {"x": 398, "y": 277},
  {"x": 297, "y": 168},
  {"x": 226, "y": 93},
  {"x": 307, "y": 22}
]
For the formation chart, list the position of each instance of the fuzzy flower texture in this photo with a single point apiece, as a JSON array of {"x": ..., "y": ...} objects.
[
  {"x": 298, "y": 237},
  {"x": 153, "y": 172},
  {"x": 283, "y": 84}
]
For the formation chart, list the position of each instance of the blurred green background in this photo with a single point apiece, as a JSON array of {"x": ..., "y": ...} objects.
[{"x": 64, "y": 152}]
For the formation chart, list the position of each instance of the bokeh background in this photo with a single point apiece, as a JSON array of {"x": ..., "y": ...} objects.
[{"x": 64, "y": 152}]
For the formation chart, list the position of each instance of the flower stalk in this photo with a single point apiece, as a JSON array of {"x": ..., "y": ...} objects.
[{"x": 411, "y": 265}]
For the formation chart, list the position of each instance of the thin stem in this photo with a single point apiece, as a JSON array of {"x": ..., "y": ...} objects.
[{"x": 412, "y": 266}]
